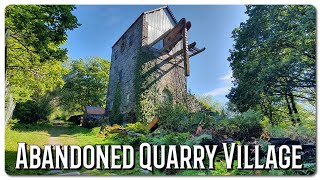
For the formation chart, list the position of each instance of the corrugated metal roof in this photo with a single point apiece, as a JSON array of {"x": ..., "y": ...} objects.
[
  {"x": 95, "y": 110},
  {"x": 147, "y": 12}
]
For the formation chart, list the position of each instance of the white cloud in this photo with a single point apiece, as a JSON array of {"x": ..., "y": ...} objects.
[
  {"x": 227, "y": 81},
  {"x": 227, "y": 77},
  {"x": 218, "y": 91}
]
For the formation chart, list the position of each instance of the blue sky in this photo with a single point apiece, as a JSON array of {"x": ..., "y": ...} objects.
[{"x": 212, "y": 25}]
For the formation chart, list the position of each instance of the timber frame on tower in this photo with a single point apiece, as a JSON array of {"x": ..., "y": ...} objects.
[{"x": 172, "y": 37}]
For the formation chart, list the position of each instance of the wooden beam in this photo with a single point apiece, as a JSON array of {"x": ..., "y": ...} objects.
[
  {"x": 168, "y": 47},
  {"x": 174, "y": 55},
  {"x": 192, "y": 45},
  {"x": 199, "y": 51},
  {"x": 159, "y": 38},
  {"x": 188, "y": 25},
  {"x": 176, "y": 31},
  {"x": 186, "y": 52},
  {"x": 153, "y": 122},
  {"x": 180, "y": 51},
  {"x": 170, "y": 36}
]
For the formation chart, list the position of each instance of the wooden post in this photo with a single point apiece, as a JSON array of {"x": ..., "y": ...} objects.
[{"x": 186, "y": 51}]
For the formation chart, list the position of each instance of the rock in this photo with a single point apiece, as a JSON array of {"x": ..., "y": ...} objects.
[
  {"x": 133, "y": 133},
  {"x": 54, "y": 172},
  {"x": 145, "y": 172},
  {"x": 75, "y": 173}
]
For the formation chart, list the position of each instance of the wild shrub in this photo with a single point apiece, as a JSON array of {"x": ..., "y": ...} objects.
[
  {"x": 173, "y": 117},
  {"x": 137, "y": 127},
  {"x": 198, "y": 139},
  {"x": 172, "y": 138},
  {"x": 242, "y": 127},
  {"x": 248, "y": 125},
  {"x": 107, "y": 129},
  {"x": 33, "y": 110},
  {"x": 117, "y": 134},
  {"x": 303, "y": 134}
]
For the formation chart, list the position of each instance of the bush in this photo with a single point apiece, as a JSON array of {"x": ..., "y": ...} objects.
[
  {"x": 172, "y": 138},
  {"x": 137, "y": 127},
  {"x": 242, "y": 128},
  {"x": 33, "y": 111},
  {"x": 248, "y": 125},
  {"x": 91, "y": 120},
  {"x": 173, "y": 117},
  {"x": 303, "y": 134},
  {"x": 122, "y": 138},
  {"x": 199, "y": 139},
  {"x": 107, "y": 129},
  {"x": 119, "y": 135}
]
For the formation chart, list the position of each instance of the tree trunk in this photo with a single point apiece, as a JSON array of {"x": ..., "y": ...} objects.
[
  {"x": 294, "y": 107},
  {"x": 289, "y": 109}
]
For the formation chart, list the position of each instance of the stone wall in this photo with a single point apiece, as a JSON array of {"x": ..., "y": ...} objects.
[
  {"x": 123, "y": 62},
  {"x": 171, "y": 78},
  {"x": 158, "y": 81},
  {"x": 136, "y": 84}
]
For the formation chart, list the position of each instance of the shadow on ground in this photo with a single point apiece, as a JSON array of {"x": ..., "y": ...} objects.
[
  {"x": 54, "y": 130},
  {"x": 10, "y": 163}
]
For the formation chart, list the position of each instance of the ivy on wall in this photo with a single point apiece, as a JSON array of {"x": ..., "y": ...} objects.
[
  {"x": 145, "y": 86},
  {"x": 147, "y": 77},
  {"x": 115, "y": 115}
]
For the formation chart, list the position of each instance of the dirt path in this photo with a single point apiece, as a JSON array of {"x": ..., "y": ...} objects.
[{"x": 57, "y": 130}]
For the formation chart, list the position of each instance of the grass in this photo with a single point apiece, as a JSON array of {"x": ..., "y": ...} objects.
[
  {"x": 46, "y": 133},
  {"x": 39, "y": 134},
  {"x": 12, "y": 137}
]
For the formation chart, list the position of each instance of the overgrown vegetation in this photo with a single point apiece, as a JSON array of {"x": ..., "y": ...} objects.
[
  {"x": 85, "y": 84},
  {"x": 34, "y": 56},
  {"x": 273, "y": 63},
  {"x": 115, "y": 116},
  {"x": 34, "y": 110},
  {"x": 145, "y": 90}
]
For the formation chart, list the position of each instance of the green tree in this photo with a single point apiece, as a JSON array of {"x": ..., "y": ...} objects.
[
  {"x": 33, "y": 53},
  {"x": 85, "y": 84},
  {"x": 41, "y": 29},
  {"x": 210, "y": 104},
  {"x": 273, "y": 60}
]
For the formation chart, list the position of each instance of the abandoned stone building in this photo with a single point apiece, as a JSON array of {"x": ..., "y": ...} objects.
[{"x": 158, "y": 34}]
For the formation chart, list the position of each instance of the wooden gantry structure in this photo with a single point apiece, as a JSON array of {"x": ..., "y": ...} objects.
[{"x": 175, "y": 35}]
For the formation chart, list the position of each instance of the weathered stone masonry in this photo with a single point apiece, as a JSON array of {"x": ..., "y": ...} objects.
[{"x": 166, "y": 77}]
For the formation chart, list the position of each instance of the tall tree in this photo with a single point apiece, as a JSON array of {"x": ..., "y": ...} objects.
[
  {"x": 85, "y": 84},
  {"x": 34, "y": 55},
  {"x": 274, "y": 58},
  {"x": 41, "y": 29}
]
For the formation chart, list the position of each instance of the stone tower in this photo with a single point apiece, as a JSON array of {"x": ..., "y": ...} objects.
[{"x": 138, "y": 66}]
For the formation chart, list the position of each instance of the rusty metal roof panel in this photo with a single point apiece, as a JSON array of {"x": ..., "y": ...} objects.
[{"x": 95, "y": 110}]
